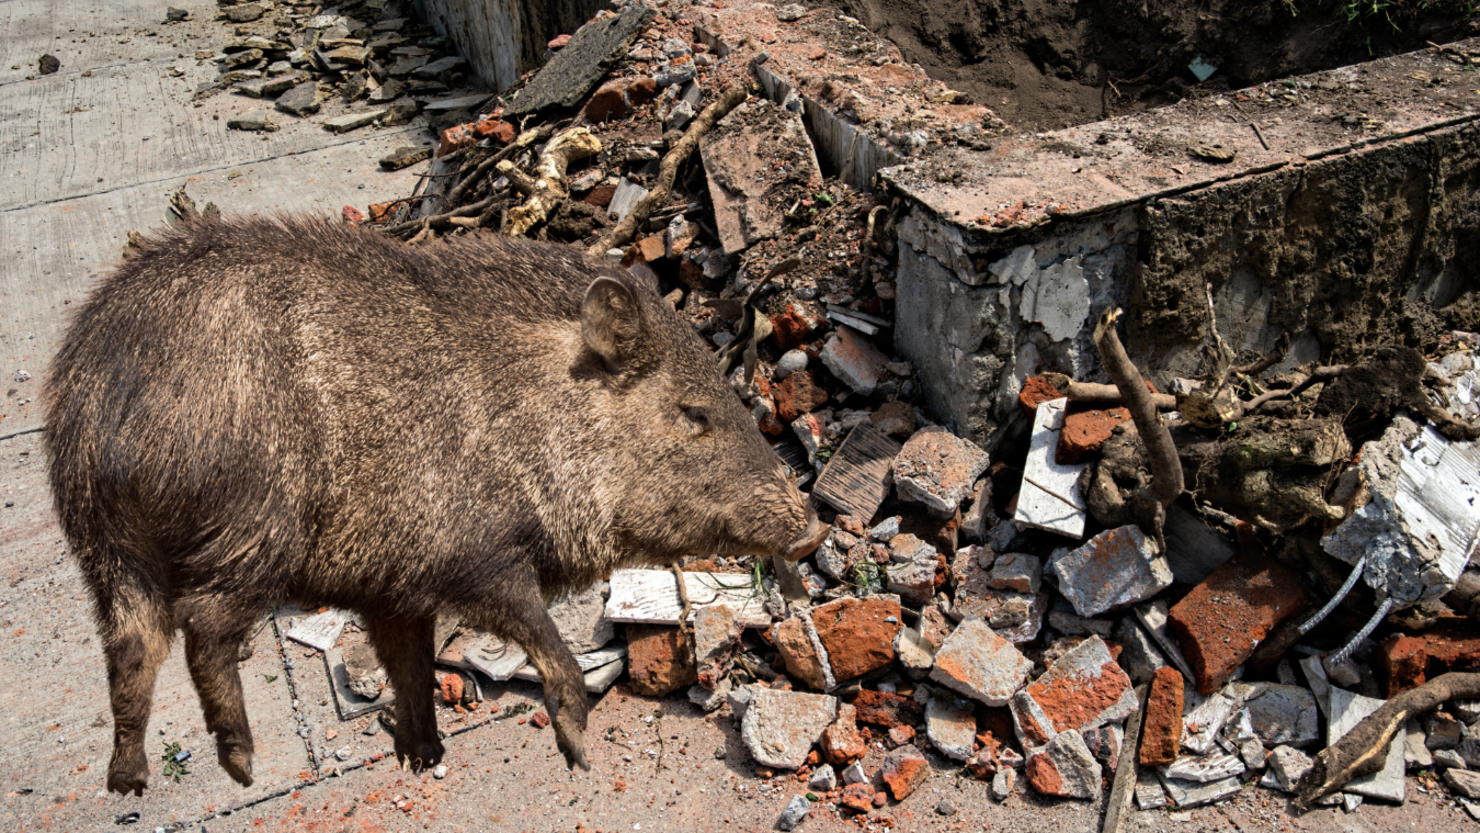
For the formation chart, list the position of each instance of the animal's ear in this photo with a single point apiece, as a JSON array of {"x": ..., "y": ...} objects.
[{"x": 611, "y": 322}]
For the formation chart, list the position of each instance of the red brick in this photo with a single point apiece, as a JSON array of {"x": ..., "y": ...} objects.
[
  {"x": 900, "y": 735},
  {"x": 1085, "y": 431},
  {"x": 842, "y": 743},
  {"x": 352, "y": 215},
  {"x": 658, "y": 661},
  {"x": 455, "y": 138},
  {"x": 790, "y": 329},
  {"x": 904, "y": 770},
  {"x": 689, "y": 272},
  {"x": 452, "y": 688},
  {"x": 797, "y": 395},
  {"x": 1406, "y": 662},
  {"x": 497, "y": 129},
  {"x": 857, "y": 634},
  {"x": 650, "y": 248},
  {"x": 601, "y": 197},
  {"x": 558, "y": 41},
  {"x": 858, "y": 797},
  {"x": 539, "y": 720},
  {"x": 887, "y": 710},
  {"x": 380, "y": 211},
  {"x": 608, "y": 102},
  {"x": 1162, "y": 734},
  {"x": 642, "y": 90},
  {"x": 1037, "y": 390},
  {"x": 1220, "y": 623}
]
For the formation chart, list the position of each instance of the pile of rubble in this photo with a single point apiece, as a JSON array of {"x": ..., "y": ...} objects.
[
  {"x": 368, "y": 57},
  {"x": 999, "y": 610}
]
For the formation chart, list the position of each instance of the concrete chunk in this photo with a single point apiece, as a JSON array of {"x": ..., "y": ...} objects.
[
  {"x": 352, "y": 121},
  {"x": 1083, "y": 690},
  {"x": 780, "y": 727},
  {"x": 1287, "y": 764},
  {"x": 951, "y": 726},
  {"x": 1118, "y": 567},
  {"x": 741, "y": 157},
  {"x": 1284, "y": 714},
  {"x": 582, "y": 62},
  {"x": 854, "y": 360},
  {"x": 937, "y": 468},
  {"x": 580, "y": 619},
  {"x": 1065, "y": 768},
  {"x": 1050, "y": 498},
  {"x": 978, "y": 663}
]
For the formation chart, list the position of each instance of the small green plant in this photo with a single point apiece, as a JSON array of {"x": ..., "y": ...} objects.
[
  {"x": 174, "y": 761},
  {"x": 866, "y": 576}
]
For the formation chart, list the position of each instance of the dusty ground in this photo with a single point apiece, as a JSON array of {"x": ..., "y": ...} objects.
[{"x": 1044, "y": 64}]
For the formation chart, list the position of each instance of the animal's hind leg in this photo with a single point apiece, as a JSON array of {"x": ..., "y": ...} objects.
[
  {"x": 136, "y": 630},
  {"x": 404, "y": 645},
  {"x": 214, "y": 628}
]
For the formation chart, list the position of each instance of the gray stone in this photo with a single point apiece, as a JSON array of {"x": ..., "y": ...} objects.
[
  {"x": 1284, "y": 714},
  {"x": 349, "y": 54},
  {"x": 824, "y": 779},
  {"x": 439, "y": 66},
  {"x": 855, "y": 774},
  {"x": 625, "y": 198},
  {"x": 1469, "y": 750},
  {"x": 389, "y": 91},
  {"x": 885, "y": 530},
  {"x": 914, "y": 651},
  {"x": 855, "y": 361},
  {"x": 739, "y": 699},
  {"x": 579, "y": 618},
  {"x": 1075, "y": 625},
  {"x": 253, "y": 120},
  {"x": 1287, "y": 764},
  {"x": 1116, "y": 568},
  {"x": 716, "y": 637},
  {"x": 790, "y": 362},
  {"x": 1002, "y": 782},
  {"x": 245, "y": 13},
  {"x": 403, "y": 157},
  {"x": 1463, "y": 781},
  {"x": 794, "y": 813},
  {"x": 352, "y": 121},
  {"x": 1012, "y": 613},
  {"x": 301, "y": 100},
  {"x": 681, "y": 114},
  {"x": 937, "y": 468},
  {"x": 1415, "y": 754},
  {"x": 711, "y": 700},
  {"x": 1444, "y": 732},
  {"x": 791, "y": 12},
  {"x": 978, "y": 663},
  {"x": 1347, "y": 710},
  {"x": 915, "y": 580},
  {"x": 1466, "y": 709},
  {"x": 780, "y": 727},
  {"x": 269, "y": 87},
  {"x": 399, "y": 112},
  {"x": 1449, "y": 758},
  {"x": 1017, "y": 572},
  {"x": 1139, "y": 655},
  {"x": 951, "y": 726},
  {"x": 594, "y": 48}
]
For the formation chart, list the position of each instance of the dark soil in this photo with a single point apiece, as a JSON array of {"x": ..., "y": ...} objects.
[{"x": 1045, "y": 64}]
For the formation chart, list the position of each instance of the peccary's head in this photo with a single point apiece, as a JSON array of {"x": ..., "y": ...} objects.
[{"x": 684, "y": 469}]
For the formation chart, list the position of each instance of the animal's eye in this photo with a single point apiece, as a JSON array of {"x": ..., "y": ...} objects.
[{"x": 696, "y": 419}]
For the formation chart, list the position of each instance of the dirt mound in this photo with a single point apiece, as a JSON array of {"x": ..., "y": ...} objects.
[{"x": 1045, "y": 64}]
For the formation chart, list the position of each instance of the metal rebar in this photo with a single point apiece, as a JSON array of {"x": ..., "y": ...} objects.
[
  {"x": 1346, "y": 651},
  {"x": 1346, "y": 587}
]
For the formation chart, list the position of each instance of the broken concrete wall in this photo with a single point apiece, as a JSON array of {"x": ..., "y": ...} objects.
[
  {"x": 1352, "y": 247},
  {"x": 504, "y": 38}
]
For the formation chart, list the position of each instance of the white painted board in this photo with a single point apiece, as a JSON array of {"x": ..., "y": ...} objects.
[
  {"x": 651, "y": 597},
  {"x": 1050, "y": 498}
]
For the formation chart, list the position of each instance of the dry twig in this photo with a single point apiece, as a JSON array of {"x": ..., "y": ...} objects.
[{"x": 549, "y": 188}]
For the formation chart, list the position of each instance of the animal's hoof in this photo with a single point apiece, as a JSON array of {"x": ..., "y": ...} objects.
[{"x": 128, "y": 773}]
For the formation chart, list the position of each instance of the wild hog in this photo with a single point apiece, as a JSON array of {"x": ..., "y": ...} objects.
[{"x": 256, "y": 410}]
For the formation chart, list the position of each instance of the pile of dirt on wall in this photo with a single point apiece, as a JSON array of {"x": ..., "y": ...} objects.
[{"x": 1044, "y": 64}]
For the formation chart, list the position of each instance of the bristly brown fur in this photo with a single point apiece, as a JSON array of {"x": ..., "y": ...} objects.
[{"x": 258, "y": 409}]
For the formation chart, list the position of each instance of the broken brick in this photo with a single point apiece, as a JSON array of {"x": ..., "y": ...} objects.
[
  {"x": 601, "y": 197},
  {"x": 456, "y": 138},
  {"x": 977, "y": 662},
  {"x": 903, "y": 771},
  {"x": 842, "y": 743},
  {"x": 1085, "y": 431},
  {"x": 658, "y": 661},
  {"x": 452, "y": 688},
  {"x": 651, "y": 248},
  {"x": 790, "y": 329},
  {"x": 1220, "y": 623},
  {"x": 858, "y": 797},
  {"x": 352, "y": 215},
  {"x": 857, "y": 634},
  {"x": 1406, "y": 662},
  {"x": 937, "y": 468},
  {"x": 1162, "y": 732},
  {"x": 887, "y": 710},
  {"x": 1083, "y": 689},
  {"x": 1036, "y": 390},
  {"x": 797, "y": 653},
  {"x": 797, "y": 395},
  {"x": 1065, "y": 767},
  {"x": 496, "y": 129}
]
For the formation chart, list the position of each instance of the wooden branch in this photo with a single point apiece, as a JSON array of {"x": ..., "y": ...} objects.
[
  {"x": 1363, "y": 750},
  {"x": 525, "y": 139},
  {"x": 1320, "y": 374},
  {"x": 668, "y": 170},
  {"x": 550, "y": 188},
  {"x": 437, "y": 221},
  {"x": 1123, "y": 787},
  {"x": 1099, "y": 392},
  {"x": 1268, "y": 360},
  {"x": 1166, "y": 467}
]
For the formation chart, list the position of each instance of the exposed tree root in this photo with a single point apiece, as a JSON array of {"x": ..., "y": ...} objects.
[
  {"x": 1364, "y": 749},
  {"x": 549, "y": 188}
]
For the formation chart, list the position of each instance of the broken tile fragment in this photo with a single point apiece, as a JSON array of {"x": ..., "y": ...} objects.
[
  {"x": 1017, "y": 572},
  {"x": 1204, "y": 769},
  {"x": 903, "y": 771},
  {"x": 1220, "y": 623},
  {"x": 1116, "y": 568},
  {"x": 854, "y": 360},
  {"x": 1284, "y": 714},
  {"x": 977, "y": 662},
  {"x": 855, "y": 480},
  {"x": 1188, "y": 794},
  {"x": 780, "y": 727},
  {"x": 352, "y": 121},
  {"x": 1050, "y": 497}
]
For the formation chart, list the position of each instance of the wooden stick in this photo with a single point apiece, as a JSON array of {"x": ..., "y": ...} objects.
[
  {"x": 1124, "y": 785},
  {"x": 1363, "y": 750},
  {"x": 668, "y": 170},
  {"x": 1166, "y": 467}
]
